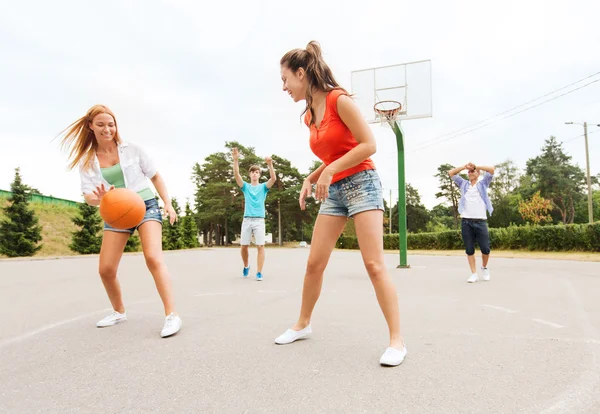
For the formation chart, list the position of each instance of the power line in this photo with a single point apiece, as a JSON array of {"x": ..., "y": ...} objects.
[
  {"x": 579, "y": 136},
  {"x": 429, "y": 143},
  {"x": 515, "y": 107}
]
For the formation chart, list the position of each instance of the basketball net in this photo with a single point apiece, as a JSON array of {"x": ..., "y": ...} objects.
[{"x": 388, "y": 111}]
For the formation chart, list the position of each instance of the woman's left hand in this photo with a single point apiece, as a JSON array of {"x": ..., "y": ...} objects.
[
  {"x": 322, "y": 191},
  {"x": 170, "y": 212}
]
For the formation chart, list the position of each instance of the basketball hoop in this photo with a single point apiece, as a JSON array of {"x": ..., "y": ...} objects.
[{"x": 388, "y": 111}]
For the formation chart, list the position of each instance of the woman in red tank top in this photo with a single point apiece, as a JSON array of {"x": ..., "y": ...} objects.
[{"x": 347, "y": 185}]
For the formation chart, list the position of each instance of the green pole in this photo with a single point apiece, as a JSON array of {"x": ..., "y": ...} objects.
[{"x": 401, "y": 196}]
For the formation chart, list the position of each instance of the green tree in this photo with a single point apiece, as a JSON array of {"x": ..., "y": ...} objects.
[
  {"x": 133, "y": 244},
  {"x": 448, "y": 189},
  {"x": 441, "y": 218},
  {"x": 88, "y": 239},
  {"x": 172, "y": 233},
  {"x": 283, "y": 197},
  {"x": 504, "y": 195},
  {"x": 20, "y": 234},
  {"x": 556, "y": 178},
  {"x": 417, "y": 215},
  {"x": 189, "y": 229}
]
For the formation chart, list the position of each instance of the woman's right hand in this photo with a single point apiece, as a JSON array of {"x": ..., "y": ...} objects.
[
  {"x": 306, "y": 191},
  {"x": 101, "y": 191}
]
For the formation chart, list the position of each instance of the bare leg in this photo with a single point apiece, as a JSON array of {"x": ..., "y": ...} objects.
[
  {"x": 369, "y": 231},
  {"x": 245, "y": 255},
  {"x": 327, "y": 231},
  {"x": 261, "y": 258},
  {"x": 151, "y": 238},
  {"x": 113, "y": 244},
  {"x": 471, "y": 258},
  {"x": 484, "y": 259}
]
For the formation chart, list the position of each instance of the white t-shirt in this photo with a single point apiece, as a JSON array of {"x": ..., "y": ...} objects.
[{"x": 474, "y": 205}]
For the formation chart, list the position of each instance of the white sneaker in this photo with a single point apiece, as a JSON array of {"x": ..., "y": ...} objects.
[
  {"x": 474, "y": 278},
  {"x": 486, "y": 274},
  {"x": 290, "y": 336},
  {"x": 172, "y": 325},
  {"x": 112, "y": 319},
  {"x": 393, "y": 357}
]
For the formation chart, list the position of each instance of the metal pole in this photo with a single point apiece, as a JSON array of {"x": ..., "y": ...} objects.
[
  {"x": 402, "y": 240},
  {"x": 589, "y": 180}
]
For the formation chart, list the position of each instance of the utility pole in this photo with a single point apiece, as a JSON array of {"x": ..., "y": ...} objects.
[
  {"x": 587, "y": 167},
  {"x": 589, "y": 180}
]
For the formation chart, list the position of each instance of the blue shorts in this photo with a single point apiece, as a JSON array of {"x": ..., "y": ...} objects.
[
  {"x": 354, "y": 194},
  {"x": 152, "y": 214}
]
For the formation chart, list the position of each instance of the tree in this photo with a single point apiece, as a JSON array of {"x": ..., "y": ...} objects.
[
  {"x": 20, "y": 233},
  {"x": 88, "y": 239},
  {"x": 504, "y": 195},
  {"x": 417, "y": 215},
  {"x": 553, "y": 175},
  {"x": 172, "y": 233},
  {"x": 189, "y": 230},
  {"x": 133, "y": 244},
  {"x": 283, "y": 197},
  {"x": 448, "y": 189},
  {"x": 441, "y": 218},
  {"x": 536, "y": 210}
]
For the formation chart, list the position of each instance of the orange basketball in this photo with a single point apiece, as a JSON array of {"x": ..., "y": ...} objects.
[{"x": 122, "y": 208}]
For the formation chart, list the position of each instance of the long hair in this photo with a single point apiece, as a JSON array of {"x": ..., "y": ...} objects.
[
  {"x": 319, "y": 76},
  {"x": 79, "y": 139}
]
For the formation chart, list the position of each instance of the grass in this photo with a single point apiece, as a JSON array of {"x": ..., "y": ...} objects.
[{"x": 56, "y": 227}]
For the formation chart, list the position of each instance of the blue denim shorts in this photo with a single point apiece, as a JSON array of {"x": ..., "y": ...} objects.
[
  {"x": 354, "y": 194},
  {"x": 152, "y": 214}
]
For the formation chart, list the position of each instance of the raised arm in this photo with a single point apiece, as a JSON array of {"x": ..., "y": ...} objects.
[
  {"x": 236, "y": 167},
  {"x": 487, "y": 169},
  {"x": 454, "y": 171},
  {"x": 272, "y": 176}
]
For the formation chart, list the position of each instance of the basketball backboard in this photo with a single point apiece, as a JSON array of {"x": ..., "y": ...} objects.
[{"x": 407, "y": 83}]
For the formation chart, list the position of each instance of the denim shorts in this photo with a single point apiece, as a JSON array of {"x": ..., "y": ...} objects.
[
  {"x": 475, "y": 231},
  {"x": 152, "y": 214},
  {"x": 354, "y": 194}
]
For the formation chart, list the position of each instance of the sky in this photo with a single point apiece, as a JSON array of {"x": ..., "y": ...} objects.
[{"x": 183, "y": 77}]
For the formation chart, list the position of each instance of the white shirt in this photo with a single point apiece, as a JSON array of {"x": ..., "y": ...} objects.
[
  {"x": 474, "y": 204},
  {"x": 135, "y": 163}
]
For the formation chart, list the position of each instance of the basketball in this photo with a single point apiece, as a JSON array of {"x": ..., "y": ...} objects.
[{"x": 122, "y": 208}]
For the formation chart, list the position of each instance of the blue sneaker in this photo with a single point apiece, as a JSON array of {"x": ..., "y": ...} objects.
[
  {"x": 259, "y": 276},
  {"x": 246, "y": 271}
]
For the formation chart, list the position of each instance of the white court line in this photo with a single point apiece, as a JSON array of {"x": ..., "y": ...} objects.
[
  {"x": 272, "y": 291},
  {"x": 66, "y": 321},
  {"x": 500, "y": 308},
  {"x": 216, "y": 294},
  {"x": 48, "y": 327},
  {"x": 552, "y": 324}
]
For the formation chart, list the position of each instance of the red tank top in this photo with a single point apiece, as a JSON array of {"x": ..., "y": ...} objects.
[{"x": 333, "y": 138}]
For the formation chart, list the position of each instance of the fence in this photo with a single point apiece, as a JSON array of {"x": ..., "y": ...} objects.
[{"x": 38, "y": 198}]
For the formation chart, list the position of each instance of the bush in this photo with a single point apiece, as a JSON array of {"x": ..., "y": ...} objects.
[{"x": 579, "y": 237}]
